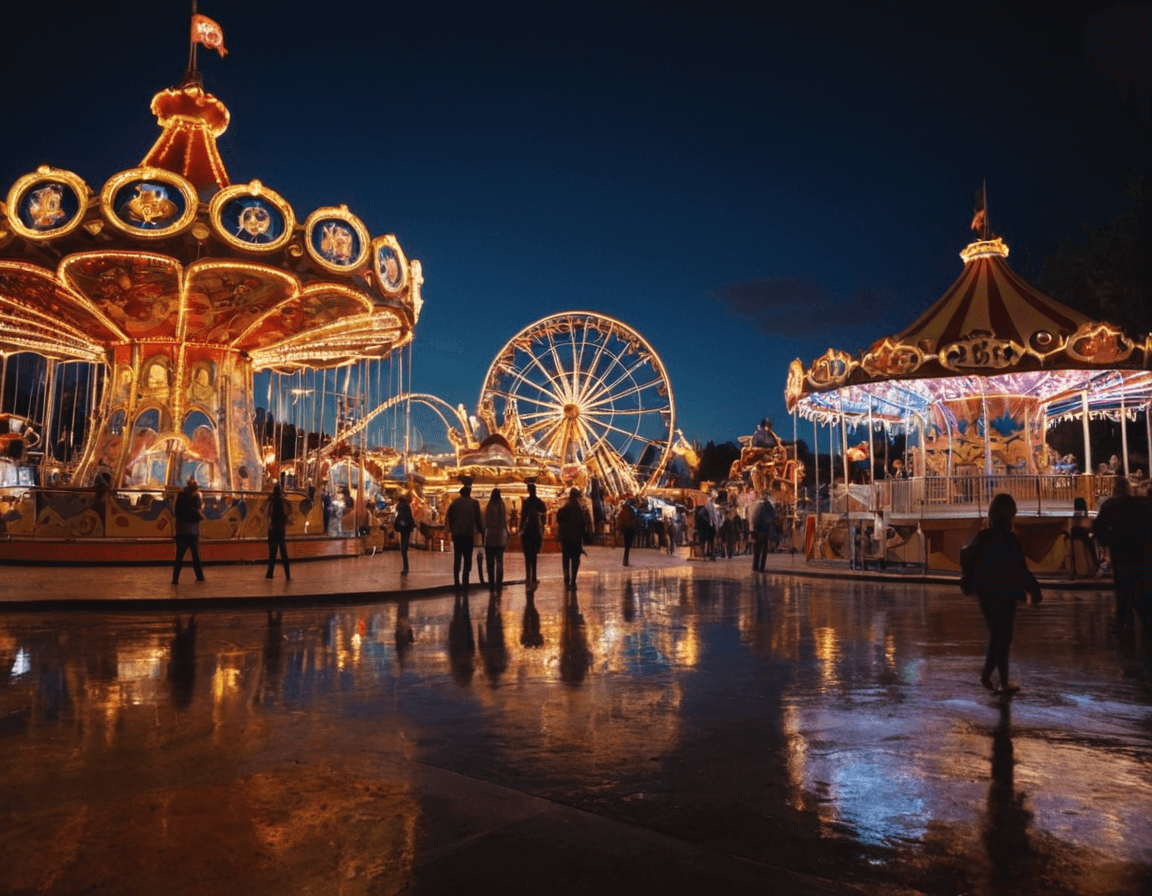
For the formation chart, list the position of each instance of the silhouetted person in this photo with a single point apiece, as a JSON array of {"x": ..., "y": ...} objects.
[
  {"x": 532, "y": 513},
  {"x": 626, "y": 524},
  {"x": 1006, "y": 824},
  {"x": 495, "y": 539},
  {"x": 530, "y": 635},
  {"x": 277, "y": 528},
  {"x": 1000, "y": 578},
  {"x": 461, "y": 643},
  {"x": 705, "y": 532},
  {"x": 189, "y": 511},
  {"x": 763, "y": 525},
  {"x": 404, "y": 523},
  {"x": 464, "y": 520},
  {"x": 491, "y": 639},
  {"x": 1079, "y": 532},
  {"x": 182, "y": 662},
  {"x": 575, "y": 657},
  {"x": 1122, "y": 526},
  {"x": 570, "y": 528}
]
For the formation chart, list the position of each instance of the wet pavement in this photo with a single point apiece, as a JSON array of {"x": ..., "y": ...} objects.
[{"x": 679, "y": 727}]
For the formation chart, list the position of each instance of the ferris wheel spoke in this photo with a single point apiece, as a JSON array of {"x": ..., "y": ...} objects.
[
  {"x": 523, "y": 376},
  {"x": 592, "y": 375},
  {"x": 597, "y": 382},
  {"x": 534, "y": 406},
  {"x": 609, "y": 388},
  {"x": 510, "y": 391},
  {"x": 634, "y": 389}
]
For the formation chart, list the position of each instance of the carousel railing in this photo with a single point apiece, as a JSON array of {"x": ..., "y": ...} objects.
[
  {"x": 968, "y": 493},
  {"x": 145, "y": 513}
]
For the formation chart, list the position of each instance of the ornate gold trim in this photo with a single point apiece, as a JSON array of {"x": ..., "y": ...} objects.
[
  {"x": 353, "y": 265},
  {"x": 256, "y": 190},
  {"x": 186, "y": 190},
  {"x": 46, "y": 174},
  {"x": 388, "y": 241}
]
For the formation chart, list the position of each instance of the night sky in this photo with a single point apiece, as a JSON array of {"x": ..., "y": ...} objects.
[{"x": 741, "y": 183}]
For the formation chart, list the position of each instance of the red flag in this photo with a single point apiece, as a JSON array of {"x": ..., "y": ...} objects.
[
  {"x": 978, "y": 220},
  {"x": 207, "y": 32}
]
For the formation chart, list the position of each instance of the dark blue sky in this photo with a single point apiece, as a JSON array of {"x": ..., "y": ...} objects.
[{"x": 742, "y": 185}]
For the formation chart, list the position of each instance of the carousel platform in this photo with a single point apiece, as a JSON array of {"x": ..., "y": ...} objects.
[{"x": 373, "y": 578}]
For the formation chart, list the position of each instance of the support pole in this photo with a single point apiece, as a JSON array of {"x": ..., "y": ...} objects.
[
  {"x": 1124, "y": 433},
  {"x": 1084, "y": 422}
]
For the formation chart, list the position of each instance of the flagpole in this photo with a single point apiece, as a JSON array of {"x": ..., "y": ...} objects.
[
  {"x": 984, "y": 193},
  {"x": 190, "y": 74}
]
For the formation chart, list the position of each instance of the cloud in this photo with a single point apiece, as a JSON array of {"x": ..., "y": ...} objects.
[{"x": 795, "y": 307}]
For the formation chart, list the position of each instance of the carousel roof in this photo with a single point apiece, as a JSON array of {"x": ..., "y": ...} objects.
[
  {"x": 990, "y": 333},
  {"x": 172, "y": 251}
]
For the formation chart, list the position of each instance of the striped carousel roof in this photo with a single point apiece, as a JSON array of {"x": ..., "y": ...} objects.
[
  {"x": 989, "y": 298},
  {"x": 989, "y": 323}
]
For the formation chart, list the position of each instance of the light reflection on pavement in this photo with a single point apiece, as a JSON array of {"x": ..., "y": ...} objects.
[{"x": 836, "y": 730}]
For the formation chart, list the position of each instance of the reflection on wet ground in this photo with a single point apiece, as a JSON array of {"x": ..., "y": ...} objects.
[{"x": 834, "y": 730}]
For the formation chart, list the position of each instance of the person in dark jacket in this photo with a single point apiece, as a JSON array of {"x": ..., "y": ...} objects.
[
  {"x": 464, "y": 521},
  {"x": 404, "y": 523},
  {"x": 1122, "y": 525},
  {"x": 570, "y": 528},
  {"x": 277, "y": 528},
  {"x": 532, "y": 514},
  {"x": 1000, "y": 578},
  {"x": 188, "y": 512}
]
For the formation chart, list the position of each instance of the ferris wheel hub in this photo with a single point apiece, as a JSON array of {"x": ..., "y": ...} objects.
[{"x": 571, "y": 411}]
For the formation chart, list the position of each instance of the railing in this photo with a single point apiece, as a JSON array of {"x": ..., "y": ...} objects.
[
  {"x": 145, "y": 513},
  {"x": 969, "y": 494}
]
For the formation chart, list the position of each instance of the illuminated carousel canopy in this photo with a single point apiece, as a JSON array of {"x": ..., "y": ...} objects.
[
  {"x": 182, "y": 284},
  {"x": 989, "y": 335}
]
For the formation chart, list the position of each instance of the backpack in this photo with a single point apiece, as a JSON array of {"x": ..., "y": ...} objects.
[{"x": 530, "y": 521}]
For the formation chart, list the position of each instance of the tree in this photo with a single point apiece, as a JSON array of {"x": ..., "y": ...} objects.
[
  {"x": 1106, "y": 274},
  {"x": 716, "y": 461}
]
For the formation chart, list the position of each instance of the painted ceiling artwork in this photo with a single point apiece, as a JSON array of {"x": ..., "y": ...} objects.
[{"x": 181, "y": 285}]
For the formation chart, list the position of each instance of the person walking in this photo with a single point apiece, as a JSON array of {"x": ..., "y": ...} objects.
[
  {"x": 532, "y": 513},
  {"x": 278, "y": 512},
  {"x": 763, "y": 525},
  {"x": 626, "y": 523},
  {"x": 996, "y": 571},
  {"x": 570, "y": 527},
  {"x": 404, "y": 524},
  {"x": 188, "y": 512},
  {"x": 1122, "y": 525},
  {"x": 495, "y": 539},
  {"x": 464, "y": 521}
]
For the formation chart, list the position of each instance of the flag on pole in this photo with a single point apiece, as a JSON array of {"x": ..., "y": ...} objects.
[
  {"x": 980, "y": 213},
  {"x": 208, "y": 33}
]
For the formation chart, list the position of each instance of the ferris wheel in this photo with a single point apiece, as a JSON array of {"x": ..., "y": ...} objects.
[{"x": 585, "y": 389}]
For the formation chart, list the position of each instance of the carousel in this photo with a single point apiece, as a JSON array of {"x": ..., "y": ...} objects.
[
  {"x": 139, "y": 320},
  {"x": 969, "y": 390}
]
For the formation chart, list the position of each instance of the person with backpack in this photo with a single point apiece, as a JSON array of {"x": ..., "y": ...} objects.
[
  {"x": 994, "y": 569},
  {"x": 404, "y": 523},
  {"x": 532, "y": 513}
]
